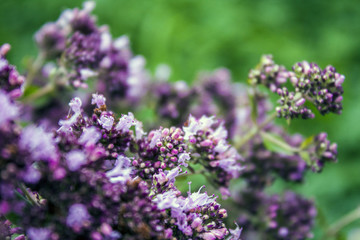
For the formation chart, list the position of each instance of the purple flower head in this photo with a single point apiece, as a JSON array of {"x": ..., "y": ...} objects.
[
  {"x": 139, "y": 131},
  {"x": 75, "y": 159},
  {"x": 122, "y": 42},
  {"x": 125, "y": 122},
  {"x": 98, "y": 99},
  {"x": 8, "y": 111},
  {"x": 154, "y": 137},
  {"x": 235, "y": 234},
  {"x": 106, "y": 122},
  {"x": 11, "y": 81},
  {"x": 38, "y": 233},
  {"x": 90, "y": 136},
  {"x": 75, "y": 105},
  {"x": 39, "y": 143},
  {"x": 160, "y": 178},
  {"x": 229, "y": 162},
  {"x": 121, "y": 172},
  {"x": 321, "y": 151},
  {"x": 32, "y": 175},
  {"x": 173, "y": 173},
  {"x": 167, "y": 200},
  {"x": 220, "y": 133},
  {"x": 78, "y": 217},
  {"x": 66, "y": 125},
  {"x": 194, "y": 125},
  {"x": 183, "y": 157},
  {"x": 221, "y": 147},
  {"x": 197, "y": 199},
  {"x": 51, "y": 39},
  {"x": 138, "y": 78}
]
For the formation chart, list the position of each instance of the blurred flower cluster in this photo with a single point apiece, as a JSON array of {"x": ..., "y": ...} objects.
[{"x": 76, "y": 161}]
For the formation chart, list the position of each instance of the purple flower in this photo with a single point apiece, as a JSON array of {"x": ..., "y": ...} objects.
[
  {"x": 78, "y": 216},
  {"x": 75, "y": 105},
  {"x": 139, "y": 131},
  {"x": 8, "y": 111},
  {"x": 90, "y": 136},
  {"x": 125, "y": 122},
  {"x": 197, "y": 199},
  {"x": 154, "y": 137},
  {"x": 11, "y": 81},
  {"x": 106, "y": 122},
  {"x": 194, "y": 125},
  {"x": 66, "y": 125},
  {"x": 39, "y": 143},
  {"x": 75, "y": 159},
  {"x": 220, "y": 133},
  {"x": 38, "y": 233},
  {"x": 183, "y": 157},
  {"x": 32, "y": 175},
  {"x": 166, "y": 200},
  {"x": 51, "y": 40},
  {"x": 235, "y": 234},
  {"x": 98, "y": 99},
  {"x": 121, "y": 172}
]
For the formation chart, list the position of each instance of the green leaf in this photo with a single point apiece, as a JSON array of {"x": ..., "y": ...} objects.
[
  {"x": 12, "y": 217},
  {"x": 30, "y": 90},
  {"x": 306, "y": 157},
  {"x": 276, "y": 143},
  {"x": 254, "y": 110},
  {"x": 288, "y": 121},
  {"x": 307, "y": 142}
]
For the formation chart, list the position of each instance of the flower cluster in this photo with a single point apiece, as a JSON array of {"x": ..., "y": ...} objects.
[
  {"x": 320, "y": 151},
  {"x": 323, "y": 88},
  {"x": 86, "y": 51},
  {"x": 260, "y": 164},
  {"x": 163, "y": 148},
  {"x": 212, "y": 93},
  {"x": 196, "y": 216},
  {"x": 10, "y": 80},
  {"x": 270, "y": 74},
  {"x": 216, "y": 155},
  {"x": 283, "y": 217},
  {"x": 94, "y": 171}
]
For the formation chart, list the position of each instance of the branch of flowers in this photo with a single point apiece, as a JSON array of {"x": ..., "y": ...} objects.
[
  {"x": 255, "y": 130},
  {"x": 28, "y": 195},
  {"x": 342, "y": 222},
  {"x": 34, "y": 69}
]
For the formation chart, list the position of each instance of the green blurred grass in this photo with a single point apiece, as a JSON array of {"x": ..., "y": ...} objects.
[{"x": 205, "y": 34}]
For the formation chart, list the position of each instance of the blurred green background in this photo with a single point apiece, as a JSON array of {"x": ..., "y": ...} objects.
[{"x": 195, "y": 35}]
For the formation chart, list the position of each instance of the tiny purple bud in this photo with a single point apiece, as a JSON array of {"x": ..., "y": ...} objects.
[
  {"x": 206, "y": 143},
  {"x": 328, "y": 154},
  {"x": 300, "y": 102},
  {"x": 339, "y": 81},
  {"x": 338, "y": 99}
]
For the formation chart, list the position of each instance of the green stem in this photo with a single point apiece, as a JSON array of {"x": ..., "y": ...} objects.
[
  {"x": 40, "y": 93},
  {"x": 342, "y": 222},
  {"x": 34, "y": 69},
  {"x": 28, "y": 195},
  {"x": 255, "y": 130},
  {"x": 281, "y": 144}
]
